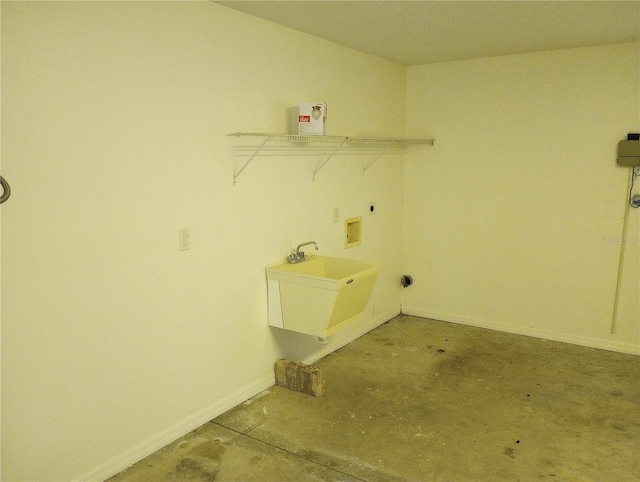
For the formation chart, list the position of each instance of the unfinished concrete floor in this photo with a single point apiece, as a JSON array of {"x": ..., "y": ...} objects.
[{"x": 418, "y": 400}]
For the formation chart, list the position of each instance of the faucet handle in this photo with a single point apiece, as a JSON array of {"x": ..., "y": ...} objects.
[{"x": 296, "y": 257}]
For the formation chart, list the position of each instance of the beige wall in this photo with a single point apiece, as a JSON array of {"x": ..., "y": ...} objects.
[
  {"x": 514, "y": 220},
  {"x": 114, "y": 123}
]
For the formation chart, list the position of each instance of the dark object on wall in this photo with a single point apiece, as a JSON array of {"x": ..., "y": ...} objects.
[
  {"x": 6, "y": 190},
  {"x": 406, "y": 280}
]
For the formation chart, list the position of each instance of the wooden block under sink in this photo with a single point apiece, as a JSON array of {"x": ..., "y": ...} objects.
[{"x": 299, "y": 377}]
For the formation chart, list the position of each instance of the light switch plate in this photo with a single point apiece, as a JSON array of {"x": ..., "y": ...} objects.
[{"x": 184, "y": 239}]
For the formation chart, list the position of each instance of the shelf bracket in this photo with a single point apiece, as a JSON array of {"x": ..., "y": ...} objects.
[
  {"x": 255, "y": 153},
  {"x": 380, "y": 154},
  {"x": 329, "y": 157}
]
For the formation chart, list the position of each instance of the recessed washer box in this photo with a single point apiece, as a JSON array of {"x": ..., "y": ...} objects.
[{"x": 353, "y": 232}]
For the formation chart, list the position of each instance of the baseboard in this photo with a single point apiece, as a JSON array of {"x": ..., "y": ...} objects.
[
  {"x": 343, "y": 338},
  {"x": 609, "y": 345},
  {"x": 126, "y": 459}
]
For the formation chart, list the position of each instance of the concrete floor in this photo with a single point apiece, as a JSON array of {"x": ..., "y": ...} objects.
[{"x": 418, "y": 400}]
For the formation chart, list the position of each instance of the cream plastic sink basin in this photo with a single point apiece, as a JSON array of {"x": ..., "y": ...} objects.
[{"x": 321, "y": 295}]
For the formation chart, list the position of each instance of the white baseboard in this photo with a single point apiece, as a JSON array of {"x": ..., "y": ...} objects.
[
  {"x": 126, "y": 459},
  {"x": 345, "y": 337},
  {"x": 177, "y": 430},
  {"x": 610, "y": 345}
]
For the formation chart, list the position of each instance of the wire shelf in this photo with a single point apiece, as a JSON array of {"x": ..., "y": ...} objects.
[
  {"x": 333, "y": 139},
  {"x": 329, "y": 146}
]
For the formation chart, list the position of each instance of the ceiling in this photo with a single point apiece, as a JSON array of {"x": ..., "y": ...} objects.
[{"x": 422, "y": 32}]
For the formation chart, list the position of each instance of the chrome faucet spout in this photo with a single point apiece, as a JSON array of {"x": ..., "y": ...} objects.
[
  {"x": 297, "y": 256},
  {"x": 315, "y": 245}
]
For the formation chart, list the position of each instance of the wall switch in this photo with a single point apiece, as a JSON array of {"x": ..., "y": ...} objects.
[
  {"x": 336, "y": 215},
  {"x": 372, "y": 208},
  {"x": 184, "y": 239}
]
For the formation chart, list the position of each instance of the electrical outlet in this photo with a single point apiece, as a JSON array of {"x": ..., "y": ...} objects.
[{"x": 184, "y": 239}]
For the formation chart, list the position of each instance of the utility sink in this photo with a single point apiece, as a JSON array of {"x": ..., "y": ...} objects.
[{"x": 321, "y": 295}]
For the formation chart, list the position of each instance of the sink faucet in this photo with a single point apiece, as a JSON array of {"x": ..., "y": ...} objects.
[{"x": 297, "y": 256}]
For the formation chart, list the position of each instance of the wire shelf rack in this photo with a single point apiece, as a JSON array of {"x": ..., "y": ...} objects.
[{"x": 327, "y": 146}]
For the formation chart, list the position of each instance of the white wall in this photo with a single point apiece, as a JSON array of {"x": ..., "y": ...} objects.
[
  {"x": 514, "y": 222},
  {"x": 114, "y": 123}
]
